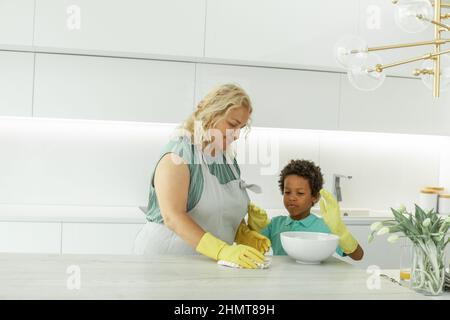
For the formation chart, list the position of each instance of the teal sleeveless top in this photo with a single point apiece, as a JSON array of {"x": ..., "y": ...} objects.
[{"x": 183, "y": 147}]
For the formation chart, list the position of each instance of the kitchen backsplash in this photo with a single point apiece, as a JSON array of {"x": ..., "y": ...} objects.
[{"x": 107, "y": 163}]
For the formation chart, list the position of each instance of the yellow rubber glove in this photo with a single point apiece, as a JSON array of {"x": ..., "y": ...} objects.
[
  {"x": 257, "y": 218},
  {"x": 329, "y": 207},
  {"x": 217, "y": 249},
  {"x": 252, "y": 238}
]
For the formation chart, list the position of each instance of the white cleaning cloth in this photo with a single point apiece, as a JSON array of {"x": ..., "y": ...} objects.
[{"x": 259, "y": 265}]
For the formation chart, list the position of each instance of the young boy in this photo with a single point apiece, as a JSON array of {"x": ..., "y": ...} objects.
[{"x": 301, "y": 184}]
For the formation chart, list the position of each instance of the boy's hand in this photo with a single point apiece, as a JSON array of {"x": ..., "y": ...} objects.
[
  {"x": 329, "y": 207},
  {"x": 257, "y": 218},
  {"x": 252, "y": 238}
]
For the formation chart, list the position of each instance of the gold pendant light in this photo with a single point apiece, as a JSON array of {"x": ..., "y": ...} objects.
[{"x": 364, "y": 67}]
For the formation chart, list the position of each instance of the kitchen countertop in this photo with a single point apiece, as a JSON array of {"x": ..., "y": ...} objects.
[{"x": 40, "y": 276}]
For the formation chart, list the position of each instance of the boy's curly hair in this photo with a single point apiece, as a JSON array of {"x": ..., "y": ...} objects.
[{"x": 305, "y": 169}]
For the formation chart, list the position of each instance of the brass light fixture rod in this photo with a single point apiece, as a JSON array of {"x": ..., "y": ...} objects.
[
  {"x": 436, "y": 23},
  {"x": 443, "y": 5},
  {"x": 406, "y": 45},
  {"x": 418, "y": 72},
  {"x": 437, "y": 61},
  {"x": 381, "y": 67}
]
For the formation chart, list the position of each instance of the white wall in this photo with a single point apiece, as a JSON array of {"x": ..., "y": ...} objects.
[
  {"x": 79, "y": 162},
  {"x": 444, "y": 174},
  {"x": 387, "y": 169},
  {"x": 137, "y": 62},
  {"x": 72, "y": 162},
  {"x": 143, "y": 65}
]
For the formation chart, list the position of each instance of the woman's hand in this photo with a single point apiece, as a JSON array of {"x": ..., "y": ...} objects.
[
  {"x": 244, "y": 256},
  {"x": 257, "y": 218}
]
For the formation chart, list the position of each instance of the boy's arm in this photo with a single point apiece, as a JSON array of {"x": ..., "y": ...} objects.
[
  {"x": 267, "y": 231},
  {"x": 332, "y": 217},
  {"x": 357, "y": 254}
]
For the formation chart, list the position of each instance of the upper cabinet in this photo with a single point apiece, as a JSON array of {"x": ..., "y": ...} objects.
[
  {"x": 377, "y": 26},
  {"x": 281, "y": 98},
  {"x": 85, "y": 87},
  {"x": 16, "y": 83},
  {"x": 398, "y": 106},
  {"x": 166, "y": 27},
  {"x": 290, "y": 31},
  {"x": 16, "y": 22}
]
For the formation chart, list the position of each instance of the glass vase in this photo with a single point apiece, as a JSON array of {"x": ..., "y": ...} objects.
[{"x": 428, "y": 267}]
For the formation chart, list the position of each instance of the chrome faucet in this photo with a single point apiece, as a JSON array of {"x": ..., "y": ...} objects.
[{"x": 337, "y": 185}]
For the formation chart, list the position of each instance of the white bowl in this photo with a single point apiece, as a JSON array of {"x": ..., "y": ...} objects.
[{"x": 309, "y": 247}]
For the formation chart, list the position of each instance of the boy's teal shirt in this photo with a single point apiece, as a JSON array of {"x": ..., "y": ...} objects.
[{"x": 311, "y": 223}]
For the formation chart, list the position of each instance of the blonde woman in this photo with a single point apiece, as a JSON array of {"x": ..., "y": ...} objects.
[{"x": 198, "y": 200}]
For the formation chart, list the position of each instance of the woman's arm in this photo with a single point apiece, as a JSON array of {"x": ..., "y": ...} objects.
[{"x": 172, "y": 186}]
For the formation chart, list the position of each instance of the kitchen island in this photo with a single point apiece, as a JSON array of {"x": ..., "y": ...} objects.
[{"x": 41, "y": 276}]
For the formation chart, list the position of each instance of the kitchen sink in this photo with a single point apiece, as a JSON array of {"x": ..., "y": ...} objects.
[
  {"x": 355, "y": 212},
  {"x": 349, "y": 212}
]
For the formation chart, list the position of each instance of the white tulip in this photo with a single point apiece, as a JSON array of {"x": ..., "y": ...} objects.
[
  {"x": 393, "y": 238},
  {"x": 447, "y": 220},
  {"x": 382, "y": 231},
  {"x": 376, "y": 226},
  {"x": 426, "y": 222}
]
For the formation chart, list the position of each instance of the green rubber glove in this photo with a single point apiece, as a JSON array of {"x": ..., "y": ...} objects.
[
  {"x": 252, "y": 238},
  {"x": 217, "y": 249},
  {"x": 257, "y": 218},
  {"x": 329, "y": 207}
]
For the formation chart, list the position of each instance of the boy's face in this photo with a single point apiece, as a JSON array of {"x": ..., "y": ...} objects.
[{"x": 297, "y": 196}]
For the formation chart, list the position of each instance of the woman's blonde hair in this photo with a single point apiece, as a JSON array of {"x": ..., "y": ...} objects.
[{"x": 215, "y": 107}]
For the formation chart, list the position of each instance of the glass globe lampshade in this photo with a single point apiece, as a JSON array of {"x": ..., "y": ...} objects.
[
  {"x": 428, "y": 79},
  {"x": 350, "y": 51},
  {"x": 406, "y": 15},
  {"x": 364, "y": 76}
]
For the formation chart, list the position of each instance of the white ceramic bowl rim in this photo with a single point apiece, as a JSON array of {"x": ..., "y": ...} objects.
[{"x": 313, "y": 236}]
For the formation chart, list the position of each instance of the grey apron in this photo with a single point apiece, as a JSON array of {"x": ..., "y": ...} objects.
[{"x": 219, "y": 211}]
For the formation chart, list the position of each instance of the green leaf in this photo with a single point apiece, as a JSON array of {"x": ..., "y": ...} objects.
[{"x": 419, "y": 214}]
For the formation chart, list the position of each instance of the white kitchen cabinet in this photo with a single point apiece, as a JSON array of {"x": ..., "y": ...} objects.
[
  {"x": 68, "y": 86},
  {"x": 398, "y": 106},
  {"x": 16, "y": 83},
  {"x": 30, "y": 237},
  {"x": 169, "y": 27},
  {"x": 377, "y": 27},
  {"x": 16, "y": 22},
  {"x": 281, "y": 98},
  {"x": 379, "y": 252},
  {"x": 290, "y": 31},
  {"x": 99, "y": 238}
]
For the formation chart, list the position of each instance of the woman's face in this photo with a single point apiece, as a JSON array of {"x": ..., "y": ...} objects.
[
  {"x": 229, "y": 128},
  {"x": 297, "y": 197}
]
